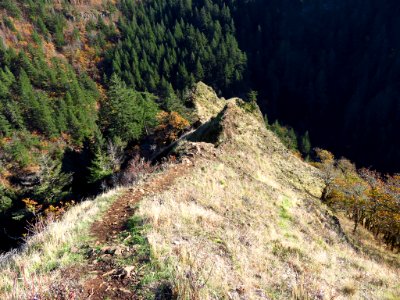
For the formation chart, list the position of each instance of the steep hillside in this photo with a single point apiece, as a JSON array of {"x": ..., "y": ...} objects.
[
  {"x": 82, "y": 83},
  {"x": 87, "y": 85},
  {"x": 237, "y": 216},
  {"x": 77, "y": 31},
  {"x": 247, "y": 222},
  {"x": 49, "y": 100}
]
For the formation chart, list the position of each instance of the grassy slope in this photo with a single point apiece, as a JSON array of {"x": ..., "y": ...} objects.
[
  {"x": 244, "y": 225},
  {"x": 35, "y": 268}
]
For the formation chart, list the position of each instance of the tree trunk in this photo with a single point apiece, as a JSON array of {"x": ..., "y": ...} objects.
[{"x": 355, "y": 217}]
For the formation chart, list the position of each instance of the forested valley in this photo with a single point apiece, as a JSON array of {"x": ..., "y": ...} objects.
[
  {"x": 86, "y": 87},
  {"x": 329, "y": 67}
]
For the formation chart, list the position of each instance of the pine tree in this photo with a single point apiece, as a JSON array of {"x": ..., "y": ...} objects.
[
  {"x": 187, "y": 45},
  {"x": 42, "y": 115},
  {"x": 127, "y": 113},
  {"x": 305, "y": 144},
  {"x": 292, "y": 139},
  {"x": 53, "y": 182},
  {"x": 199, "y": 71},
  {"x": 252, "y": 96},
  {"x": 5, "y": 126},
  {"x": 100, "y": 167},
  {"x": 266, "y": 121},
  {"x": 6, "y": 199}
]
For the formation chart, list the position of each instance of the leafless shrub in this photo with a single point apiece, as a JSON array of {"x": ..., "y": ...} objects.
[
  {"x": 65, "y": 290},
  {"x": 27, "y": 285},
  {"x": 38, "y": 226},
  {"x": 138, "y": 168},
  {"x": 5, "y": 258},
  {"x": 42, "y": 218},
  {"x": 115, "y": 154}
]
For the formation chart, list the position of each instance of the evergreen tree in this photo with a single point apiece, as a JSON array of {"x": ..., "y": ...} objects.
[
  {"x": 127, "y": 113},
  {"x": 100, "y": 167},
  {"x": 305, "y": 144},
  {"x": 180, "y": 47},
  {"x": 53, "y": 183},
  {"x": 252, "y": 96},
  {"x": 5, "y": 126},
  {"x": 266, "y": 121}
]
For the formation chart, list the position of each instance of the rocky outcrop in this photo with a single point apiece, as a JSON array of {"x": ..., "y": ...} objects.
[
  {"x": 235, "y": 125},
  {"x": 206, "y": 102}
]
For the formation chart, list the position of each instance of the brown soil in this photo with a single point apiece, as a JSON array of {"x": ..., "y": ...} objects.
[{"x": 107, "y": 280}]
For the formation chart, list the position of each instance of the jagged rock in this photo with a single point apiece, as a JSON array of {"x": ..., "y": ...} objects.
[
  {"x": 233, "y": 125},
  {"x": 129, "y": 270},
  {"x": 118, "y": 251},
  {"x": 106, "y": 257},
  {"x": 194, "y": 148},
  {"x": 90, "y": 253},
  {"x": 206, "y": 102}
]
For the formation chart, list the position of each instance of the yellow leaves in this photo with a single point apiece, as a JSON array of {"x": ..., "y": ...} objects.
[
  {"x": 375, "y": 193},
  {"x": 54, "y": 211},
  {"x": 325, "y": 156},
  {"x": 86, "y": 58},
  {"x": 170, "y": 126},
  {"x": 102, "y": 90},
  {"x": 173, "y": 119},
  {"x": 6, "y": 140},
  {"x": 394, "y": 183},
  {"x": 51, "y": 212},
  {"x": 161, "y": 117},
  {"x": 364, "y": 194},
  {"x": 31, "y": 205},
  {"x": 66, "y": 137}
]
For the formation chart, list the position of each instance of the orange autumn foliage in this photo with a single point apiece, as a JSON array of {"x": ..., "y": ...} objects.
[
  {"x": 171, "y": 126},
  {"x": 365, "y": 196},
  {"x": 52, "y": 212}
]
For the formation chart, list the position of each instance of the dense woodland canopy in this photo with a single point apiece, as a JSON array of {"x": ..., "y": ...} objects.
[
  {"x": 331, "y": 67},
  {"x": 178, "y": 43},
  {"x": 84, "y": 84}
]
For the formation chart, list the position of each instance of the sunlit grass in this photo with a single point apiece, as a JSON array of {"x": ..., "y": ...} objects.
[{"x": 33, "y": 269}]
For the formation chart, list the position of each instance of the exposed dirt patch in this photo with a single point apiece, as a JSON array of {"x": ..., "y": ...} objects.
[
  {"x": 107, "y": 278},
  {"x": 115, "y": 218}
]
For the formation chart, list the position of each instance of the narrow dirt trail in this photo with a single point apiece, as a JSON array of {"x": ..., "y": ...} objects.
[
  {"x": 115, "y": 218},
  {"x": 108, "y": 280}
]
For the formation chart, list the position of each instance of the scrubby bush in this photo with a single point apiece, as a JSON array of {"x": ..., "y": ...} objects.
[
  {"x": 137, "y": 168},
  {"x": 6, "y": 199},
  {"x": 365, "y": 196},
  {"x": 11, "y": 7},
  {"x": 170, "y": 127}
]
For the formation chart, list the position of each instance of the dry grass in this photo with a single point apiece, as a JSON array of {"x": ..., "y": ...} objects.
[
  {"x": 35, "y": 269},
  {"x": 244, "y": 225},
  {"x": 368, "y": 244},
  {"x": 243, "y": 239}
]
